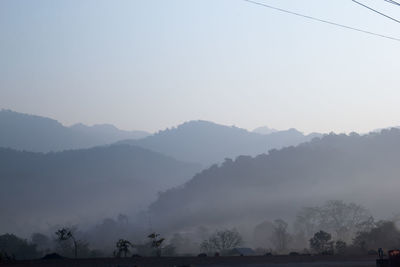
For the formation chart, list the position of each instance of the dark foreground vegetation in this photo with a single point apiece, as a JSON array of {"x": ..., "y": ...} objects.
[
  {"x": 272, "y": 208},
  {"x": 223, "y": 261},
  {"x": 222, "y": 248}
]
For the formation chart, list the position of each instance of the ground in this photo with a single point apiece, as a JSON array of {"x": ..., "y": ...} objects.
[{"x": 246, "y": 261}]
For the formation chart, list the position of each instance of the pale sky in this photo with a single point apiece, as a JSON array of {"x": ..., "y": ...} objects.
[{"x": 152, "y": 64}]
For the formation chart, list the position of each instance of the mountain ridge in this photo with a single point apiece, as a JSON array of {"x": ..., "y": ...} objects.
[
  {"x": 208, "y": 143},
  {"x": 82, "y": 184},
  {"x": 41, "y": 134},
  {"x": 276, "y": 185}
]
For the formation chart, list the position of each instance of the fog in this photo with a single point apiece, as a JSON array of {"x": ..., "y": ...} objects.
[
  {"x": 177, "y": 128},
  {"x": 125, "y": 191}
]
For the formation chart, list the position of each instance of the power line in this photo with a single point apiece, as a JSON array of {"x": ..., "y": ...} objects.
[
  {"x": 393, "y": 2},
  {"x": 322, "y": 20},
  {"x": 376, "y": 11}
]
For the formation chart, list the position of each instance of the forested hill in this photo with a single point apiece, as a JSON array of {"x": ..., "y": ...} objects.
[
  {"x": 39, "y": 134},
  {"x": 88, "y": 184},
  {"x": 207, "y": 143},
  {"x": 276, "y": 185}
]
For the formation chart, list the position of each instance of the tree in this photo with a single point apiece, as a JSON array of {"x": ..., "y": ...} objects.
[
  {"x": 65, "y": 234},
  {"x": 122, "y": 247},
  {"x": 12, "y": 246},
  {"x": 156, "y": 242},
  {"x": 340, "y": 247},
  {"x": 280, "y": 236},
  {"x": 344, "y": 219},
  {"x": 221, "y": 241},
  {"x": 321, "y": 242},
  {"x": 207, "y": 247},
  {"x": 384, "y": 234},
  {"x": 335, "y": 216},
  {"x": 308, "y": 221}
]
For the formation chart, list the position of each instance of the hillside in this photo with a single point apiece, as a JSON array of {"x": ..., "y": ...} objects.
[
  {"x": 82, "y": 185},
  {"x": 207, "y": 143},
  {"x": 39, "y": 134},
  {"x": 276, "y": 185}
]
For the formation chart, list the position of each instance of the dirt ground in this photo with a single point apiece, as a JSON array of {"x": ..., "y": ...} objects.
[{"x": 253, "y": 261}]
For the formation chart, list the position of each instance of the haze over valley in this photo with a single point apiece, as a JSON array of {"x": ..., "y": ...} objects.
[
  {"x": 248, "y": 133},
  {"x": 198, "y": 174},
  {"x": 124, "y": 175}
]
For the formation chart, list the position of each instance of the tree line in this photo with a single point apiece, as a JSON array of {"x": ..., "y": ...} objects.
[{"x": 335, "y": 227}]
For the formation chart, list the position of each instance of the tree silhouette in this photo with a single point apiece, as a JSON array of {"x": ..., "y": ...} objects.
[
  {"x": 321, "y": 242},
  {"x": 13, "y": 247},
  {"x": 123, "y": 247},
  {"x": 65, "y": 234},
  {"x": 222, "y": 241},
  {"x": 156, "y": 242},
  {"x": 384, "y": 234},
  {"x": 340, "y": 247},
  {"x": 280, "y": 236},
  {"x": 342, "y": 219}
]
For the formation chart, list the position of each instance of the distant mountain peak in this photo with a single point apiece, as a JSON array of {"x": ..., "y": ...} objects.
[
  {"x": 199, "y": 126},
  {"x": 200, "y": 123},
  {"x": 264, "y": 130},
  {"x": 104, "y": 126},
  {"x": 196, "y": 123},
  {"x": 293, "y": 130}
]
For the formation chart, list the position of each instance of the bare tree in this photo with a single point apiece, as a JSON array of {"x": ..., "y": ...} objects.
[
  {"x": 280, "y": 236},
  {"x": 308, "y": 221},
  {"x": 65, "y": 234},
  {"x": 337, "y": 217},
  {"x": 221, "y": 241},
  {"x": 344, "y": 219}
]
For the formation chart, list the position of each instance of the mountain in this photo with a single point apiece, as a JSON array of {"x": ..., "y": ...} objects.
[
  {"x": 39, "y": 134},
  {"x": 264, "y": 130},
  {"x": 207, "y": 143},
  {"x": 106, "y": 133},
  {"x": 82, "y": 185},
  {"x": 356, "y": 168}
]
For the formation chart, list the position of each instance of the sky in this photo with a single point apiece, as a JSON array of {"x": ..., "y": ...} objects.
[{"x": 152, "y": 64}]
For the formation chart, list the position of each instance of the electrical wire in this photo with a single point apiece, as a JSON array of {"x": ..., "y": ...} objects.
[
  {"x": 393, "y": 2},
  {"x": 376, "y": 11},
  {"x": 323, "y": 21}
]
